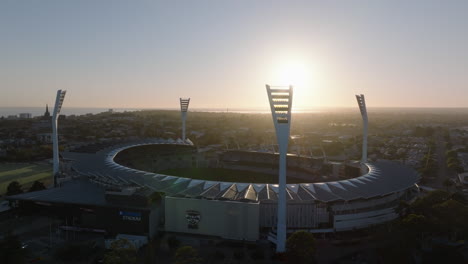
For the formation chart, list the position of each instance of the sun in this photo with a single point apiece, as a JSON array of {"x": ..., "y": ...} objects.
[
  {"x": 299, "y": 74},
  {"x": 292, "y": 73}
]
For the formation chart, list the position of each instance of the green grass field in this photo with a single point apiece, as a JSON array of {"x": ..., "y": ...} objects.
[
  {"x": 228, "y": 175},
  {"x": 141, "y": 158},
  {"x": 24, "y": 173}
]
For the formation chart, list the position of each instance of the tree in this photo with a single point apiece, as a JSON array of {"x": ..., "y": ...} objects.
[
  {"x": 402, "y": 207},
  {"x": 70, "y": 252},
  {"x": 37, "y": 186},
  {"x": 14, "y": 188},
  {"x": 121, "y": 252},
  {"x": 444, "y": 212},
  {"x": 448, "y": 183},
  {"x": 11, "y": 251},
  {"x": 423, "y": 205},
  {"x": 300, "y": 247},
  {"x": 413, "y": 228},
  {"x": 451, "y": 217},
  {"x": 187, "y": 255},
  {"x": 149, "y": 258},
  {"x": 173, "y": 242},
  {"x": 414, "y": 223},
  {"x": 156, "y": 197},
  {"x": 459, "y": 197},
  {"x": 239, "y": 255}
]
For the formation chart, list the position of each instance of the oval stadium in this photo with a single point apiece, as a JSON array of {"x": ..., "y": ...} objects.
[
  {"x": 146, "y": 186},
  {"x": 227, "y": 209}
]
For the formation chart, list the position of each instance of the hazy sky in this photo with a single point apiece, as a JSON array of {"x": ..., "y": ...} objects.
[{"x": 221, "y": 53}]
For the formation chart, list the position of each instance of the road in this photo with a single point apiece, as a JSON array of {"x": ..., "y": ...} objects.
[{"x": 442, "y": 172}]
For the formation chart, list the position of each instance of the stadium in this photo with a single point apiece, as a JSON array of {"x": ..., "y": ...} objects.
[
  {"x": 238, "y": 210},
  {"x": 125, "y": 184}
]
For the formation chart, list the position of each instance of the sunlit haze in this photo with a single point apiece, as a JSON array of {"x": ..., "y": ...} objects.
[
  {"x": 300, "y": 74},
  {"x": 147, "y": 54}
]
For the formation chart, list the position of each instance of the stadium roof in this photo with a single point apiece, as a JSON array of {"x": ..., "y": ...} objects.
[
  {"x": 72, "y": 192},
  {"x": 383, "y": 178}
]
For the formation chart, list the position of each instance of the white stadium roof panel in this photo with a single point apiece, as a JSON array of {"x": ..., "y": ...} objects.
[
  {"x": 384, "y": 177},
  {"x": 195, "y": 182}
]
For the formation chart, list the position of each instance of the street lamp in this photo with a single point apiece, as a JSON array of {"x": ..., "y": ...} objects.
[
  {"x": 184, "y": 104},
  {"x": 280, "y": 103},
  {"x": 58, "y": 106},
  {"x": 362, "y": 107}
]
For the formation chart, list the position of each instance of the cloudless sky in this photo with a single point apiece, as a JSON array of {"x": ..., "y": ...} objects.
[{"x": 222, "y": 53}]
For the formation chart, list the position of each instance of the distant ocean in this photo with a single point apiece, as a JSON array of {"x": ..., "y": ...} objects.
[{"x": 39, "y": 111}]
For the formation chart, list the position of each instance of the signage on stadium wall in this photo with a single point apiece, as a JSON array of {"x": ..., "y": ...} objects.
[
  {"x": 44, "y": 204},
  {"x": 130, "y": 216},
  {"x": 193, "y": 218},
  {"x": 87, "y": 210}
]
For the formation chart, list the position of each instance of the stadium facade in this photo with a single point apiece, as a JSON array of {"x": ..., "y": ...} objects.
[{"x": 103, "y": 189}]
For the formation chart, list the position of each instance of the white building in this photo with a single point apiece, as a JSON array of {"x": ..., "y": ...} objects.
[
  {"x": 25, "y": 115},
  {"x": 44, "y": 137},
  {"x": 463, "y": 178}
]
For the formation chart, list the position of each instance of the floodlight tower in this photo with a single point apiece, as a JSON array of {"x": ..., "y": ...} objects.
[
  {"x": 58, "y": 106},
  {"x": 280, "y": 103},
  {"x": 362, "y": 107},
  {"x": 184, "y": 103}
]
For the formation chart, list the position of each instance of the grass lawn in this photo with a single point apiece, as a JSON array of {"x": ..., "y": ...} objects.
[
  {"x": 221, "y": 174},
  {"x": 24, "y": 173}
]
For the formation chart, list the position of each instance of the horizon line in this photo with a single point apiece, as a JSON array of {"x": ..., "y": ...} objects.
[{"x": 245, "y": 108}]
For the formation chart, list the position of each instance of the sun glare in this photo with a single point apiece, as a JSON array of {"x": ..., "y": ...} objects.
[
  {"x": 298, "y": 74},
  {"x": 292, "y": 74}
]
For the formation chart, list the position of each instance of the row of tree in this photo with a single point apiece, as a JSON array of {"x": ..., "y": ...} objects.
[
  {"x": 300, "y": 249},
  {"x": 438, "y": 216},
  {"x": 429, "y": 167},
  {"x": 15, "y": 187},
  {"x": 453, "y": 162},
  {"x": 27, "y": 153},
  {"x": 11, "y": 251},
  {"x": 420, "y": 131}
]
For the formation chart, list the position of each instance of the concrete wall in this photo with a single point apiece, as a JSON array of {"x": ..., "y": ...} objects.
[
  {"x": 365, "y": 204},
  {"x": 304, "y": 215},
  {"x": 154, "y": 220},
  {"x": 231, "y": 220},
  {"x": 362, "y": 220}
]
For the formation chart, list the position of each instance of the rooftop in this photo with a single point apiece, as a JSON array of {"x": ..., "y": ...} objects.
[{"x": 383, "y": 178}]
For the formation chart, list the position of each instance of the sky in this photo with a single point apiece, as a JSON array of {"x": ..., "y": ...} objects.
[{"x": 147, "y": 54}]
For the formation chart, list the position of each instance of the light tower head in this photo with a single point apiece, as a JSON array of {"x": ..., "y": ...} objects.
[
  {"x": 280, "y": 103},
  {"x": 58, "y": 106},
  {"x": 58, "y": 103},
  {"x": 184, "y": 104},
  {"x": 362, "y": 107}
]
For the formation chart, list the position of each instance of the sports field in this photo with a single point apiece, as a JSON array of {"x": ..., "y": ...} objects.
[
  {"x": 227, "y": 175},
  {"x": 143, "y": 157},
  {"x": 24, "y": 173}
]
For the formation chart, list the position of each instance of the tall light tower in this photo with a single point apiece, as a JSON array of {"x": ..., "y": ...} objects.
[
  {"x": 280, "y": 103},
  {"x": 58, "y": 106},
  {"x": 184, "y": 103},
  {"x": 362, "y": 107}
]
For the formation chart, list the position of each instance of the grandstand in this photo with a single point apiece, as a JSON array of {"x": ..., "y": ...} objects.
[
  {"x": 94, "y": 147},
  {"x": 328, "y": 206}
]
